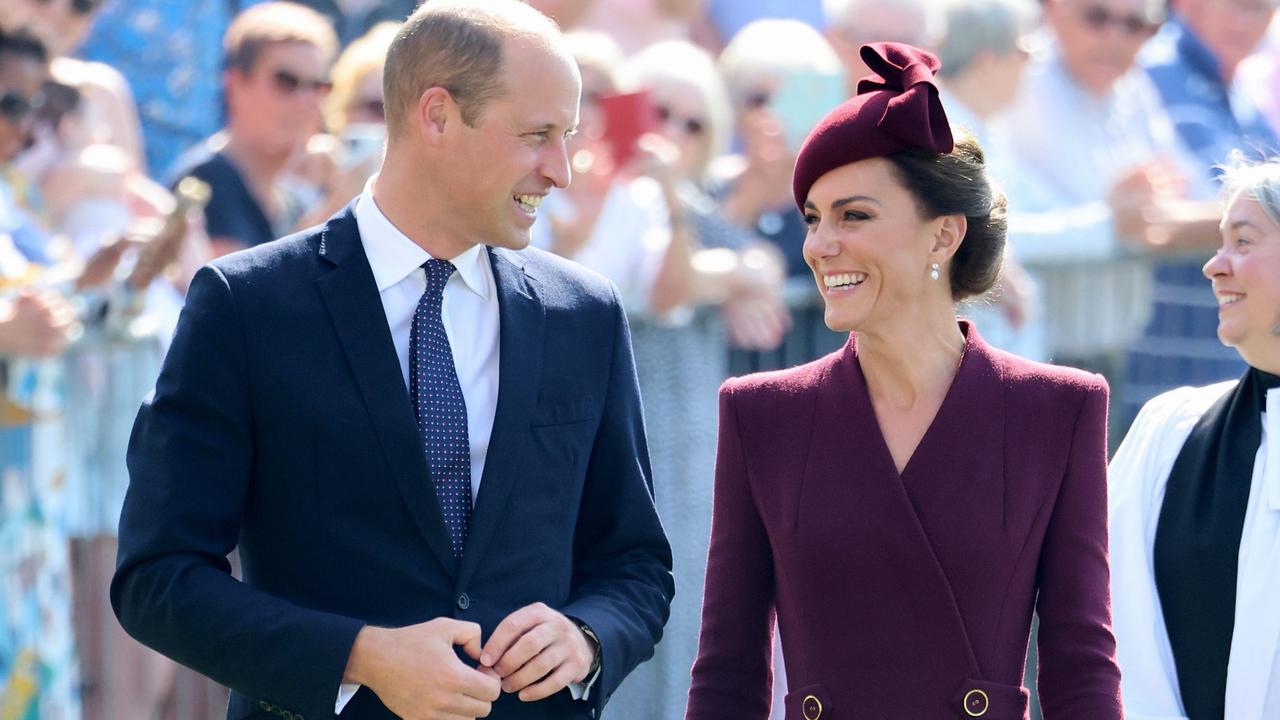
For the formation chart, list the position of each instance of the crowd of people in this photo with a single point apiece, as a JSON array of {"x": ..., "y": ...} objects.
[{"x": 141, "y": 140}]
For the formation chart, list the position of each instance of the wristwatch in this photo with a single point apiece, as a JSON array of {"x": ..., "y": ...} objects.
[{"x": 594, "y": 640}]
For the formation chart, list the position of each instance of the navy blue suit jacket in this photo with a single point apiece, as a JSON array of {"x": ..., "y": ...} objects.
[{"x": 281, "y": 425}]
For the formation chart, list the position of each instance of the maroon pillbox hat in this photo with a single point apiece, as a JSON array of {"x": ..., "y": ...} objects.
[{"x": 896, "y": 109}]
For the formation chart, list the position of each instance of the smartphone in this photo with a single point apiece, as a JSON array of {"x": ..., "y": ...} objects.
[
  {"x": 804, "y": 98},
  {"x": 360, "y": 141},
  {"x": 627, "y": 116}
]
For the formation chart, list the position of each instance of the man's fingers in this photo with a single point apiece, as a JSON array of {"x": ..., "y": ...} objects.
[
  {"x": 548, "y": 686},
  {"x": 529, "y": 646},
  {"x": 460, "y": 632},
  {"x": 481, "y": 685},
  {"x": 537, "y": 668},
  {"x": 509, "y": 631}
]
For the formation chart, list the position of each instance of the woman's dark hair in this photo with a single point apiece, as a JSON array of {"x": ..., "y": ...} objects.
[{"x": 957, "y": 184}]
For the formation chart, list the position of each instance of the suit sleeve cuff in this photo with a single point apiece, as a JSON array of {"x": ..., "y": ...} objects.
[
  {"x": 346, "y": 691},
  {"x": 582, "y": 690}
]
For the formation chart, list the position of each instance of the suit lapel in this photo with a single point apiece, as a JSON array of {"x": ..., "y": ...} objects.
[
  {"x": 351, "y": 297},
  {"x": 521, "y": 318}
]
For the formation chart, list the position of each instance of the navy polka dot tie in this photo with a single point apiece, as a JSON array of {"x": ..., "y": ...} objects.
[{"x": 440, "y": 407}]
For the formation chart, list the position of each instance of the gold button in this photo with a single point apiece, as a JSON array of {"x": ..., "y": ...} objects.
[
  {"x": 811, "y": 707},
  {"x": 976, "y": 703}
]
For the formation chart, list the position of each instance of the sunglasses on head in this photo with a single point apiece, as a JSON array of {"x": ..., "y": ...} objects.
[
  {"x": 288, "y": 83},
  {"x": 16, "y": 107},
  {"x": 694, "y": 126},
  {"x": 1099, "y": 18}
]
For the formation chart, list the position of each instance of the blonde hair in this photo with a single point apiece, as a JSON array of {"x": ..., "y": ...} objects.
[
  {"x": 457, "y": 46},
  {"x": 679, "y": 62},
  {"x": 271, "y": 23},
  {"x": 771, "y": 50},
  {"x": 364, "y": 56}
]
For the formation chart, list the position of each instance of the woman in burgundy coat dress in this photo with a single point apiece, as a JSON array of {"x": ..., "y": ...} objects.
[{"x": 905, "y": 503}]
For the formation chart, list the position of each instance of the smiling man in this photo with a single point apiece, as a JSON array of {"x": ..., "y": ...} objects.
[{"x": 425, "y": 440}]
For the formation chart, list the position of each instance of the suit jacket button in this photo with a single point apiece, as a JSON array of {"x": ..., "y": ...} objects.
[
  {"x": 811, "y": 707},
  {"x": 976, "y": 703},
  {"x": 464, "y": 602}
]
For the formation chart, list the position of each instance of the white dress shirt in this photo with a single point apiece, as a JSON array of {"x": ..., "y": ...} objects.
[
  {"x": 1078, "y": 145},
  {"x": 1138, "y": 477},
  {"x": 469, "y": 312}
]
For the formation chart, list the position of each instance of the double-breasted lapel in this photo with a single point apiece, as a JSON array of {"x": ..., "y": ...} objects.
[
  {"x": 907, "y": 517},
  {"x": 521, "y": 318},
  {"x": 351, "y": 297},
  {"x": 850, "y": 467}
]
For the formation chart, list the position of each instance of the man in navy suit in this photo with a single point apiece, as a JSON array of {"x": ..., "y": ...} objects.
[{"x": 425, "y": 440}]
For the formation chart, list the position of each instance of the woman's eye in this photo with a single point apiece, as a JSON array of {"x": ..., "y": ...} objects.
[
  {"x": 855, "y": 215},
  {"x": 810, "y": 220}
]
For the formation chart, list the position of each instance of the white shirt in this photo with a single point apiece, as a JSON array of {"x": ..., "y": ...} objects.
[
  {"x": 1078, "y": 145},
  {"x": 1139, "y": 475},
  {"x": 469, "y": 312}
]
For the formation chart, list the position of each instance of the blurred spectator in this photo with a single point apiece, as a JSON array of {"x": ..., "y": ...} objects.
[
  {"x": 766, "y": 66},
  {"x": 1090, "y": 125},
  {"x": 635, "y": 24},
  {"x": 336, "y": 164},
  {"x": 354, "y": 18},
  {"x": 726, "y": 18},
  {"x": 356, "y": 97},
  {"x": 38, "y": 677},
  {"x": 984, "y": 54},
  {"x": 566, "y": 13},
  {"x": 680, "y": 364},
  {"x": 854, "y": 23},
  {"x": 1193, "y": 62},
  {"x": 171, "y": 52},
  {"x": 277, "y": 60}
]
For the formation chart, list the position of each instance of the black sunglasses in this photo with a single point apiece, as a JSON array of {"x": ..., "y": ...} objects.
[
  {"x": 756, "y": 100},
  {"x": 16, "y": 107},
  {"x": 374, "y": 107},
  {"x": 288, "y": 83},
  {"x": 694, "y": 126},
  {"x": 1099, "y": 18}
]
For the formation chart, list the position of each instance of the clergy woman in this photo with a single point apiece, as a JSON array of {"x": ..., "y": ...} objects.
[
  {"x": 1195, "y": 500},
  {"x": 904, "y": 504}
]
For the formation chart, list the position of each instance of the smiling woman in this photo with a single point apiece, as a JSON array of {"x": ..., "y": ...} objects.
[
  {"x": 1195, "y": 490},
  {"x": 860, "y": 497}
]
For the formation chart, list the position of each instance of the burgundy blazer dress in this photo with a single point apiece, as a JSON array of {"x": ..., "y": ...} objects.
[{"x": 909, "y": 596}]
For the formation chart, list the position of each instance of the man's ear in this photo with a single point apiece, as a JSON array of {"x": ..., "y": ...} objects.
[{"x": 436, "y": 111}]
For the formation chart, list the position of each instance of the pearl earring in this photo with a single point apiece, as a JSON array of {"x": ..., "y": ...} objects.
[{"x": 934, "y": 271}]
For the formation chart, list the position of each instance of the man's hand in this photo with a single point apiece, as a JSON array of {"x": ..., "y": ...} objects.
[
  {"x": 35, "y": 324},
  {"x": 538, "y": 652},
  {"x": 416, "y": 674}
]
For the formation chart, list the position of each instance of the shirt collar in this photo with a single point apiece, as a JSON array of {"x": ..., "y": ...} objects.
[{"x": 393, "y": 256}]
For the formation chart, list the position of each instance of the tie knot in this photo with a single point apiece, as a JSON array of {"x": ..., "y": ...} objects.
[{"x": 438, "y": 273}]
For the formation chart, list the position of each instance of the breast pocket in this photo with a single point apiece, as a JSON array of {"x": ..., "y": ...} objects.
[{"x": 563, "y": 432}]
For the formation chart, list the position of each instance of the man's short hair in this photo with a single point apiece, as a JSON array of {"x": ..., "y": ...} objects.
[
  {"x": 273, "y": 23},
  {"x": 457, "y": 46}
]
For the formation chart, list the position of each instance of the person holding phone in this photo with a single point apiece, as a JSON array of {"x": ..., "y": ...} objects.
[
  {"x": 1195, "y": 499},
  {"x": 904, "y": 504}
]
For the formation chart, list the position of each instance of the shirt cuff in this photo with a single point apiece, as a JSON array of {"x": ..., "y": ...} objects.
[
  {"x": 582, "y": 690},
  {"x": 346, "y": 691}
]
